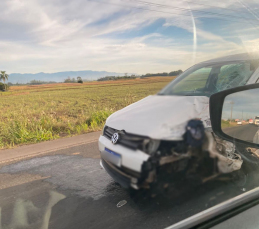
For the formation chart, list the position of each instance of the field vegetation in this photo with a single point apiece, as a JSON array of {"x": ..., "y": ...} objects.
[
  {"x": 227, "y": 124},
  {"x": 36, "y": 113}
]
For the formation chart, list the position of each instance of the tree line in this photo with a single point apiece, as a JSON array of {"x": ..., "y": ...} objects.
[
  {"x": 73, "y": 80},
  {"x": 173, "y": 73},
  {"x": 107, "y": 78},
  {"x": 39, "y": 82},
  {"x": 4, "y": 77}
]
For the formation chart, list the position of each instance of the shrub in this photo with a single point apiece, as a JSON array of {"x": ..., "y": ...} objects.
[
  {"x": 79, "y": 79},
  {"x": 4, "y": 87},
  {"x": 97, "y": 119}
]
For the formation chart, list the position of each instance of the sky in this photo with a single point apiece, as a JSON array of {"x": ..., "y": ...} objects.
[
  {"x": 244, "y": 105},
  {"x": 125, "y": 36}
]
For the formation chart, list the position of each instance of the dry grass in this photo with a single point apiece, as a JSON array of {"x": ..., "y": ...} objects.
[{"x": 32, "y": 114}]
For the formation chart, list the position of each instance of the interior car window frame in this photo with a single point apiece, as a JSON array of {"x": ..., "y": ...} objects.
[
  {"x": 217, "y": 100},
  {"x": 210, "y": 79}
]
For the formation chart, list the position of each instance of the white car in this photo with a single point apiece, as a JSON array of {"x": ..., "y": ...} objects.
[
  {"x": 239, "y": 123},
  {"x": 143, "y": 137}
]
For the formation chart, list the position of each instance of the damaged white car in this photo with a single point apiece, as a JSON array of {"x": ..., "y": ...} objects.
[{"x": 167, "y": 138}]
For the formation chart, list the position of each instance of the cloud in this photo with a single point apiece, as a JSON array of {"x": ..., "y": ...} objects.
[
  {"x": 252, "y": 45},
  {"x": 46, "y": 35}
]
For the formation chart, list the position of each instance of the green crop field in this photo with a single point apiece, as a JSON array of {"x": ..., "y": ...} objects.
[
  {"x": 227, "y": 124},
  {"x": 31, "y": 114}
]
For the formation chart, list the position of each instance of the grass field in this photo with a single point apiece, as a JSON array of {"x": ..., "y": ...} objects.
[
  {"x": 31, "y": 114},
  {"x": 227, "y": 124}
]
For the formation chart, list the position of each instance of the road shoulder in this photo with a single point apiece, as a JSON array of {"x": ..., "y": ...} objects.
[{"x": 27, "y": 151}]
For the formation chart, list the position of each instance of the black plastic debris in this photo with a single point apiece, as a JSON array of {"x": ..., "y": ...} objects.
[{"x": 195, "y": 133}]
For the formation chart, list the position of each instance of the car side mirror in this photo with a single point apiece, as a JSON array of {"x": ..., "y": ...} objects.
[{"x": 234, "y": 115}]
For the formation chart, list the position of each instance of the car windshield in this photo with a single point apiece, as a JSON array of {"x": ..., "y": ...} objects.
[{"x": 207, "y": 79}]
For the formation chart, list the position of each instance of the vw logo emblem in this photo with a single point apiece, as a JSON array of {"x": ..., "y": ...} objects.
[{"x": 115, "y": 138}]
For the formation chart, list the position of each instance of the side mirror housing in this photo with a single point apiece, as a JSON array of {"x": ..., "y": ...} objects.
[{"x": 234, "y": 115}]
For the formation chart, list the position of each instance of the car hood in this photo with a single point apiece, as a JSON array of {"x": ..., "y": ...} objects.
[{"x": 161, "y": 117}]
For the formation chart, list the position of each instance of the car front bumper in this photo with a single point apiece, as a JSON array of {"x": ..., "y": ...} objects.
[
  {"x": 125, "y": 180},
  {"x": 124, "y": 165},
  {"x": 128, "y": 158}
]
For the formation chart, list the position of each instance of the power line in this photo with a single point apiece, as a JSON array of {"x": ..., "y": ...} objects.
[
  {"x": 249, "y": 20},
  {"x": 185, "y": 9},
  {"x": 159, "y": 11},
  {"x": 248, "y": 9},
  {"x": 221, "y": 8}
]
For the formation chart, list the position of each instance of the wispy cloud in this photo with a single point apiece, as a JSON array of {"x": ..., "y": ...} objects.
[{"x": 119, "y": 35}]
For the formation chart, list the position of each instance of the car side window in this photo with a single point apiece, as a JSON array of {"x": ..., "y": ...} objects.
[{"x": 194, "y": 81}]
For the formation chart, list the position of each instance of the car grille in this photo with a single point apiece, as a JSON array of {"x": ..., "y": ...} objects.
[{"x": 128, "y": 140}]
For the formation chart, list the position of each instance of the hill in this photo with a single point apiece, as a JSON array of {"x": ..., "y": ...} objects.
[{"x": 58, "y": 76}]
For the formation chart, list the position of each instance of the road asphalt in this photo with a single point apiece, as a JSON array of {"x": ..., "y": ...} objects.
[
  {"x": 242, "y": 132},
  {"x": 60, "y": 184}
]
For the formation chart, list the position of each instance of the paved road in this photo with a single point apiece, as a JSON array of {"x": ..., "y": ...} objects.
[
  {"x": 243, "y": 132},
  {"x": 67, "y": 189}
]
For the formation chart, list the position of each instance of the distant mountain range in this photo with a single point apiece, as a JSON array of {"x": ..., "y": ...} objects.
[{"x": 59, "y": 76}]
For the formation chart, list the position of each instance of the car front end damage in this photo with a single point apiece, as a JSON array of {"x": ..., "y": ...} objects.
[
  {"x": 140, "y": 162},
  {"x": 167, "y": 139}
]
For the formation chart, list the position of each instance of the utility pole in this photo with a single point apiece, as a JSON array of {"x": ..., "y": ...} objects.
[{"x": 232, "y": 103}]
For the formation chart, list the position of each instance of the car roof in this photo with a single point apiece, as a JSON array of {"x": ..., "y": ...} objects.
[{"x": 236, "y": 57}]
